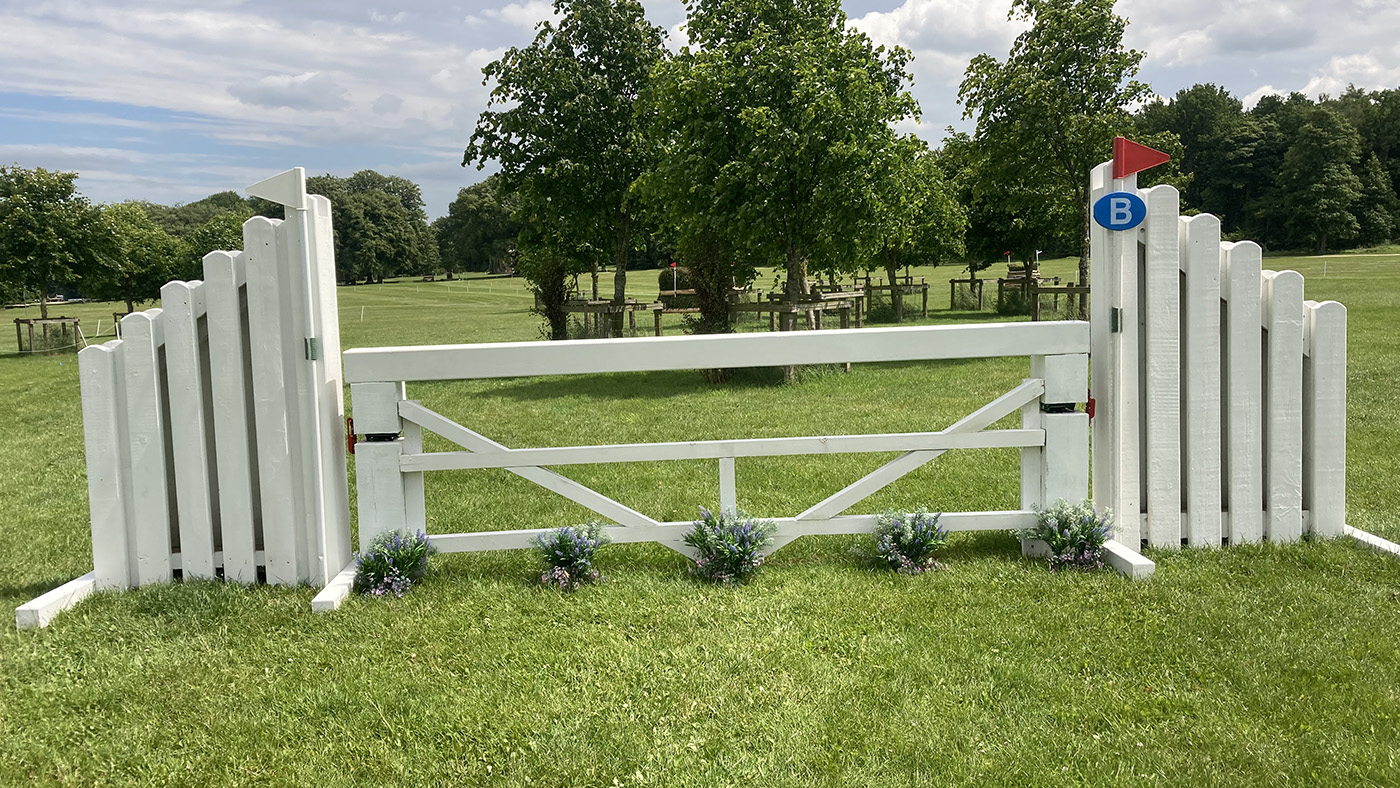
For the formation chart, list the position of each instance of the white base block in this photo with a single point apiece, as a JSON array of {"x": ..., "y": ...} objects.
[
  {"x": 335, "y": 591},
  {"x": 1129, "y": 562},
  {"x": 38, "y": 612},
  {"x": 1035, "y": 548},
  {"x": 1372, "y": 541}
]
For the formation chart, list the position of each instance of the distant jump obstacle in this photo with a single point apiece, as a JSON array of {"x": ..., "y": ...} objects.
[{"x": 215, "y": 435}]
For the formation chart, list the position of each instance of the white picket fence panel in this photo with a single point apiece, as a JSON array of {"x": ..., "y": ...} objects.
[
  {"x": 1053, "y": 438},
  {"x": 214, "y": 427},
  {"x": 1220, "y": 392}
]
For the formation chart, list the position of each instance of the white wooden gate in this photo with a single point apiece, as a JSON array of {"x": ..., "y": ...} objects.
[{"x": 1220, "y": 392}]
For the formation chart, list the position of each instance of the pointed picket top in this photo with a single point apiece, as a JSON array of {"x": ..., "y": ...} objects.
[
  {"x": 1130, "y": 157},
  {"x": 285, "y": 188}
]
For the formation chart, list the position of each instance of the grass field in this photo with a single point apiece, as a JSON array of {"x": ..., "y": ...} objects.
[{"x": 1259, "y": 665}]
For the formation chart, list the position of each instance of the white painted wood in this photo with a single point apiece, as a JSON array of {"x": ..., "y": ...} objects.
[
  {"x": 494, "y": 360},
  {"x": 381, "y": 494},
  {"x": 1282, "y": 309},
  {"x": 225, "y": 275},
  {"x": 279, "y": 486},
  {"x": 330, "y": 598},
  {"x": 897, "y": 468},
  {"x": 1066, "y": 377},
  {"x": 333, "y": 480},
  {"x": 1242, "y": 359},
  {"x": 1325, "y": 418},
  {"x": 1066, "y": 467},
  {"x": 703, "y": 450},
  {"x": 1128, "y": 401},
  {"x": 375, "y": 407},
  {"x": 142, "y": 334},
  {"x": 1200, "y": 378},
  {"x": 1032, "y": 459},
  {"x": 104, "y": 416},
  {"x": 728, "y": 492},
  {"x": 40, "y": 611},
  {"x": 414, "y": 493},
  {"x": 183, "y": 304},
  {"x": 303, "y": 426},
  {"x": 1163, "y": 366},
  {"x": 1127, "y": 561},
  {"x": 285, "y": 188},
  {"x": 548, "y": 479},
  {"x": 1104, "y": 266},
  {"x": 1372, "y": 541}
]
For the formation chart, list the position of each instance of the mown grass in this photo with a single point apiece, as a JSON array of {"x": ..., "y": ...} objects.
[{"x": 1265, "y": 665}]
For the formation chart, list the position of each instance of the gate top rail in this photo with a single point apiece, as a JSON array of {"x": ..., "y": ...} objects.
[{"x": 647, "y": 354}]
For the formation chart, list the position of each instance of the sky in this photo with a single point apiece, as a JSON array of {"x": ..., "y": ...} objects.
[{"x": 172, "y": 100}]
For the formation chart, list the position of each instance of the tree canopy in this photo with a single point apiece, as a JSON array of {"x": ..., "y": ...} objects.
[
  {"x": 480, "y": 231},
  {"x": 141, "y": 258},
  {"x": 49, "y": 233}
]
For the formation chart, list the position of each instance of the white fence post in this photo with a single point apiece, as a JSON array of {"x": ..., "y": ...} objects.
[
  {"x": 1325, "y": 418},
  {"x": 1243, "y": 394},
  {"x": 182, "y": 305},
  {"x": 1200, "y": 379},
  {"x": 385, "y": 499},
  {"x": 142, "y": 334},
  {"x": 1283, "y": 317},
  {"x": 1065, "y": 458},
  {"x": 104, "y": 441},
  {"x": 1162, "y": 437}
]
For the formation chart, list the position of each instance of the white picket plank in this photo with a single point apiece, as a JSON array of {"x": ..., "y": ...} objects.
[
  {"x": 1283, "y": 315},
  {"x": 333, "y": 481},
  {"x": 183, "y": 304},
  {"x": 1325, "y": 398},
  {"x": 103, "y": 420},
  {"x": 142, "y": 334},
  {"x": 225, "y": 274},
  {"x": 1163, "y": 367},
  {"x": 1032, "y": 459},
  {"x": 515, "y": 359},
  {"x": 277, "y": 484},
  {"x": 1200, "y": 379},
  {"x": 1242, "y": 393},
  {"x": 1128, "y": 403},
  {"x": 303, "y": 426},
  {"x": 1103, "y": 295}
]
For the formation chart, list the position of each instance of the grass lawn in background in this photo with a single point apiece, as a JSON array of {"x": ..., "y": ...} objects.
[{"x": 1260, "y": 665}]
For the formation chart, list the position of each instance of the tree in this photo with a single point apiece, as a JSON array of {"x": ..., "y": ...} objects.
[
  {"x": 567, "y": 139},
  {"x": 1050, "y": 112},
  {"x": 1376, "y": 209},
  {"x": 768, "y": 122},
  {"x": 1317, "y": 186},
  {"x": 1218, "y": 143},
  {"x": 49, "y": 234},
  {"x": 182, "y": 221},
  {"x": 223, "y": 232},
  {"x": 920, "y": 221},
  {"x": 479, "y": 232},
  {"x": 381, "y": 228},
  {"x": 140, "y": 260}
]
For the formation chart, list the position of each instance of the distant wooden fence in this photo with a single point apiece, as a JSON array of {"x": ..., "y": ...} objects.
[
  {"x": 214, "y": 427},
  {"x": 1220, "y": 392}
]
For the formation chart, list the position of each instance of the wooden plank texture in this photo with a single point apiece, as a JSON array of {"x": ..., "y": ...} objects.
[
  {"x": 1325, "y": 400},
  {"x": 183, "y": 305},
  {"x": 103, "y": 441},
  {"x": 1283, "y": 315},
  {"x": 1162, "y": 397},
  {"x": 145, "y": 417},
  {"x": 1200, "y": 379},
  {"x": 1242, "y": 378}
]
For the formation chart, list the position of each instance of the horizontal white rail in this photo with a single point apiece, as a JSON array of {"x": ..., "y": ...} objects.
[
  {"x": 516, "y": 359},
  {"x": 711, "y": 450}
]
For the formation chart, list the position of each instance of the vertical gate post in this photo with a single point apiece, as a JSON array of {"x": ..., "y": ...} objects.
[
  {"x": 382, "y": 496},
  {"x": 1065, "y": 458}
]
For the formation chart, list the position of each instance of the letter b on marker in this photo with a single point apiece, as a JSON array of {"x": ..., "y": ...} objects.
[{"x": 1120, "y": 211}]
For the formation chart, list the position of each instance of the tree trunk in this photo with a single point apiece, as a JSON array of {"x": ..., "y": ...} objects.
[
  {"x": 593, "y": 272},
  {"x": 43, "y": 303},
  {"x": 797, "y": 287},
  {"x": 1322, "y": 243},
  {"x": 896, "y": 292},
  {"x": 622, "y": 242},
  {"x": 1083, "y": 300},
  {"x": 130, "y": 305}
]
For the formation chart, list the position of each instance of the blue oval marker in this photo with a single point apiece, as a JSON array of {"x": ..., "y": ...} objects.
[{"x": 1120, "y": 211}]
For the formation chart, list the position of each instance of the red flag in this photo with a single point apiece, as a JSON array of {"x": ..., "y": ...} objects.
[{"x": 1130, "y": 157}]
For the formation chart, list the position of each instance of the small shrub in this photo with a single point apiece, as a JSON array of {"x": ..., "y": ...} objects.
[
  {"x": 729, "y": 546},
  {"x": 906, "y": 541},
  {"x": 392, "y": 563},
  {"x": 1074, "y": 532},
  {"x": 568, "y": 553}
]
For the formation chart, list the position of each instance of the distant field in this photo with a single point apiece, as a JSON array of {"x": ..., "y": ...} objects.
[{"x": 1259, "y": 665}]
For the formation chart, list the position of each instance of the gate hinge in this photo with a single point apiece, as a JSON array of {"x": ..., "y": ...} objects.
[{"x": 313, "y": 348}]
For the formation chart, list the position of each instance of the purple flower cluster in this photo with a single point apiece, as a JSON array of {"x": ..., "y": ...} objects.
[
  {"x": 568, "y": 552},
  {"x": 392, "y": 563},
  {"x": 906, "y": 541},
  {"x": 1075, "y": 534},
  {"x": 728, "y": 546}
]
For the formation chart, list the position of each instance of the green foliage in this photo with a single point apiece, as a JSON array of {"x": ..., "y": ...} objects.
[
  {"x": 1050, "y": 111},
  {"x": 49, "y": 234},
  {"x": 566, "y": 139},
  {"x": 139, "y": 261},
  {"x": 907, "y": 541},
  {"x": 381, "y": 229},
  {"x": 568, "y": 553},
  {"x": 392, "y": 563},
  {"x": 920, "y": 221},
  {"x": 1317, "y": 186},
  {"x": 183, "y": 221},
  {"x": 729, "y": 546},
  {"x": 1075, "y": 534},
  {"x": 480, "y": 231},
  {"x": 769, "y": 122},
  {"x": 223, "y": 232}
]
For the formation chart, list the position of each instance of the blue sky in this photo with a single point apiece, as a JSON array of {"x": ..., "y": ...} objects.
[{"x": 171, "y": 100}]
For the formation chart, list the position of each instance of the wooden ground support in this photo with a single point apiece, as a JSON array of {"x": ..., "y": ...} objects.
[
  {"x": 973, "y": 285},
  {"x": 1035, "y": 291},
  {"x": 593, "y": 312},
  {"x": 25, "y": 326}
]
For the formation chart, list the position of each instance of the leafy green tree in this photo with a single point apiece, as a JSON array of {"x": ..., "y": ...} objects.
[
  {"x": 223, "y": 232},
  {"x": 1317, "y": 186},
  {"x": 1218, "y": 143},
  {"x": 182, "y": 221},
  {"x": 768, "y": 123},
  {"x": 1376, "y": 209},
  {"x": 1050, "y": 111},
  {"x": 381, "y": 227},
  {"x": 141, "y": 258},
  {"x": 479, "y": 232},
  {"x": 49, "y": 234},
  {"x": 920, "y": 221},
  {"x": 566, "y": 136}
]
